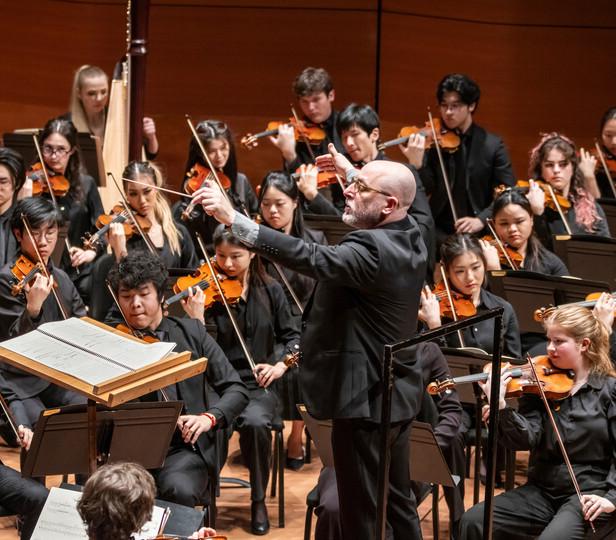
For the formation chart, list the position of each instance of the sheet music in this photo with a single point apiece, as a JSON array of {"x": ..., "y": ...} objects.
[
  {"x": 60, "y": 519},
  {"x": 83, "y": 361}
]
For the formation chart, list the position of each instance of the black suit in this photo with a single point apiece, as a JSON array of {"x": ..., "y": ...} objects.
[{"x": 366, "y": 296}]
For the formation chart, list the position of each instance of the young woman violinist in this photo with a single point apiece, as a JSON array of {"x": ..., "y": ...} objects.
[
  {"x": 264, "y": 319},
  {"x": 513, "y": 220},
  {"x": 554, "y": 160},
  {"x": 80, "y": 206},
  {"x": 464, "y": 263},
  {"x": 88, "y": 107},
  {"x": 547, "y": 506},
  {"x": 217, "y": 140},
  {"x": 594, "y": 172},
  {"x": 280, "y": 210}
]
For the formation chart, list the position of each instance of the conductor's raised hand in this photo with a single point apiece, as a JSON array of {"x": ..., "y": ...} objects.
[
  {"x": 333, "y": 162},
  {"x": 215, "y": 203}
]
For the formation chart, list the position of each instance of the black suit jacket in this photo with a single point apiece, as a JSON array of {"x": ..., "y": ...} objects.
[
  {"x": 366, "y": 296},
  {"x": 487, "y": 166}
]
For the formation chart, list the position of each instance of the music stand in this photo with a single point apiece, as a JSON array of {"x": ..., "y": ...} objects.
[
  {"x": 332, "y": 226},
  {"x": 136, "y": 432},
  {"x": 90, "y": 146},
  {"x": 588, "y": 256},
  {"x": 528, "y": 291},
  {"x": 609, "y": 207}
]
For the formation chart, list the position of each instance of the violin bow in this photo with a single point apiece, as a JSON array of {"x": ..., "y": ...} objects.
[
  {"x": 606, "y": 169},
  {"x": 44, "y": 167},
  {"x": 307, "y": 143},
  {"x": 8, "y": 414},
  {"x": 26, "y": 223},
  {"x": 442, "y": 164},
  {"x": 127, "y": 207},
  {"x": 558, "y": 436},
  {"x": 500, "y": 245},
  {"x": 559, "y": 209},
  {"x": 236, "y": 328},
  {"x": 450, "y": 298}
]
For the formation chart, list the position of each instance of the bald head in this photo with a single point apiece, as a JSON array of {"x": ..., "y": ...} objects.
[{"x": 393, "y": 178}]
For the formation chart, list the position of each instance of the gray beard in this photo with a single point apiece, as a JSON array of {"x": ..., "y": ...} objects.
[{"x": 363, "y": 220}]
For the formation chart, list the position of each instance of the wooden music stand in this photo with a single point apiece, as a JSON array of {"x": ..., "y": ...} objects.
[
  {"x": 332, "y": 226},
  {"x": 588, "y": 256},
  {"x": 528, "y": 291},
  {"x": 175, "y": 367},
  {"x": 609, "y": 207}
]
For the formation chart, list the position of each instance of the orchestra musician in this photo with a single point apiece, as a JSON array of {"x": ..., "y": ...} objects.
[
  {"x": 366, "y": 295},
  {"x": 547, "y": 505},
  {"x": 37, "y": 303},
  {"x": 554, "y": 160},
  {"x": 217, "y": 140},
  {"x": 280, "y": 208},
  {"x": 138, "y": 281},
  {"x": 592, "y": 168},
  {"x": 265, "y": 322},
  {"x": 479, "y": 165},
  {"x": 88, "y": 107},
  {"x": 12, "y": 177}
]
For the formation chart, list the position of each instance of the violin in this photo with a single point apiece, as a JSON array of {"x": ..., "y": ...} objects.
[
  {"x": 561, "y": 201},
  {"x": 556, "y": 383},
  {"x": 506, "y": 254},
  {"x": 446, "y": 139},
  {"x": 25, "y": 271},
  {"x": 462, "y": 304},
  {"x": 199, "y": 174},
  {"x": 202, "y": 278},
  {"x": 610, "y": 160},
  {"x": 118, "y": 214},
  {"x": 60, "y": 185},
  {"x": 324, "y": 178},
  {"x": 589, "y": 301},
  {"x": 304, "y": 131},
  {"x": 136, "y": 333}
]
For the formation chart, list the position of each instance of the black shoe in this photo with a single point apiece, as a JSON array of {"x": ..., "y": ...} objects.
[
  {"x": 259, "y": 523},
  {"x": 295, "y": 464}
]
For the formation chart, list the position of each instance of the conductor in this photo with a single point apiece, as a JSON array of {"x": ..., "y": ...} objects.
[{"x": 366, "y": 296}]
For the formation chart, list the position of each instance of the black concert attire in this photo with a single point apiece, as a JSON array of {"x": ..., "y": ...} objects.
[
  {"x": 332, "y": 193},
  {"x": 603, "y": 182},
  {"x": 264, "y": 320},
  {"x": 548, "y": 505},
  {"x": 242, "y": 197},
  {"x": 479, "y": 165},
  {"x": 8, "y": 243},
  {"x": 184, "y": 477},
  {"x": 444, "y": 413},
  {"x": 288, "y": 387},
  {"x": 35, "y": 393},
  {"x": 366, "y": 296}
]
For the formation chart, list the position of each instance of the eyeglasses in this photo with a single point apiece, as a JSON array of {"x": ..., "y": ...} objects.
[
  {"x": 361, "y": 187},
  {"x": 59, "y": 151},
  {"x": 48, "y": 234}
]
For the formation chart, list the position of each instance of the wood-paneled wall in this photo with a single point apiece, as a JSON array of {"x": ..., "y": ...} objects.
[{"x": 541, "y": 66}]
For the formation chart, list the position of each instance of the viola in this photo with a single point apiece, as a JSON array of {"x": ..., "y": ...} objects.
[
  {"x": 447, "y": 140},
  {"x": 508, "y": 255},
  {"x": 561, "y": 201},
  {"x": 25, "y": 271},
  {"x": 202, "y": 278},
  {"x": 304, "y": 131},
  {"x": 60, "y": 185},
  {"x": 199, "y": 174},
  {"x": 556, "y": 383},
  {"x": 462, "y": 304},
  {"x": 118, "y": 214}
]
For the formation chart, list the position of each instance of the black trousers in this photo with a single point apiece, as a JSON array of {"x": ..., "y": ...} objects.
[
  {"x": 356, "y": 461},
  {"x": 528, "y": 511},
  {"x": 328, "y": 509},
  {"x": 183, "y": 479},
  {"x": 22, "y": 496},
  {"x": 52, "y": 396},
  {"x": 255, "y": 429}
]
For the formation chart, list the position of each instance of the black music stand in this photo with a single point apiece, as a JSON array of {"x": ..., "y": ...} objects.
[
  {"x": 588, "y": 256},
  {"x": 609, "y": 207},
  {"x": 137, "y": 432},
  {"x": 90, "y": 146},
  {"x": 332, "y": 226},
  {"x": 528, "y": 291}
]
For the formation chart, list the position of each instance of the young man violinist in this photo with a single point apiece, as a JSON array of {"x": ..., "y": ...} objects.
[
  {"x": 138, "y": 281},
  {"x": 12, "y": 177},
  {"x": 36, "y": 303},
  {"x": 315, "y": 94},
  {"x": 480, "y": 164}
]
